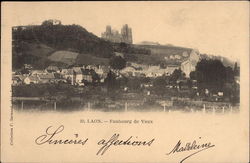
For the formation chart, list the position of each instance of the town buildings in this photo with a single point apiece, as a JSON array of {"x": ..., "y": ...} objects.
[
  {"x": 151, "y": 71},
  {"x": 114, "y": 36},
  {"x": 52, "y": 74}
]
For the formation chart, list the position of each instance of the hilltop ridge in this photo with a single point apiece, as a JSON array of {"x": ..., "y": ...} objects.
[{"x": 53, "y": 43}]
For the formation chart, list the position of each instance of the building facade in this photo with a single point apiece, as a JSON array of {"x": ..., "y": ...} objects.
[
  {"x": 190, "y": 64},
  {"x": 114, "y": 36}
]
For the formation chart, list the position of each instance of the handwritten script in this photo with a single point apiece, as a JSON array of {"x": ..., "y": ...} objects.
[
  {"x": 179, "y": 147},
  {"x": 51, "y": 137}
]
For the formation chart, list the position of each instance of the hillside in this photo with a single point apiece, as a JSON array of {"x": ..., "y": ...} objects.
[
  {"x": 161, "y": 54},
  {"x": 87, "y": 59},
  {"x": 31, "y": 53},
  {"x": 67, "y": 57},
  {"x": 64, "y": 37},
  {"x": 64, "y": 45}
]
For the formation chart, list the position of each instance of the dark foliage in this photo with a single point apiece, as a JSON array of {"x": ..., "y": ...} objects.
[
  {"x": 110, "y": 81},
  {"x": 130, "y": 49},
  {"x": 42, "y": 90},
  {"x": 212, "y": 73},
  {"x": 176, "y": 75},
  {"x": 64, "y": 37},
  {"x": 117, "y": 62}
]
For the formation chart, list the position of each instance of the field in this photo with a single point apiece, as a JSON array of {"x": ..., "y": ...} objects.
[
  {"x": 67, "y": 57},
  {"x": 90, "y": 59}
]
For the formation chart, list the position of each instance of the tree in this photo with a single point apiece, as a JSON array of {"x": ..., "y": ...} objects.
[
  {"x": 133, "y": 83},
  {"x": 236, "y": 69},
  {"x": 213, "y": 75},
  {"x": 229, "y": 74},
  {"x": 51, "y": 22},
  {"x": 159, "y": 84},
  {"x": 110, "y": 81},
  {"x": 211, "y": 71},
  {"x": 163, "y": 65},
  {"x": 117, "y": 62},
  {"x": 177, "y": 75},
  {"x": 123, "y": 47},
  {"x": 95, "y": 77},
  {"x": 193, "y": 75}
]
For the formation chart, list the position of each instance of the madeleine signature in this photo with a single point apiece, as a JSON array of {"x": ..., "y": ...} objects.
[{"x": 196, "y": 148}]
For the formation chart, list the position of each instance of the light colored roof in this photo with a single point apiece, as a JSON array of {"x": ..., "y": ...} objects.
[
  {"x": 37, "y": 72},
  {"x": 33, "y": 78},
  {"x": 53, "y": 68},
  {"x": 119, "y": 54},
  {"x": 46, "y": 76},
  {"x": 185, "y": 62},
  {"x": 175, "y": 66},
  {"x": 67, "y": 71},
  {"x": 128, "y": 69},
  {"x": 21, "y": 77},
  {"x": 77, "y": 70},
  {"x": 16, "y": 78}
]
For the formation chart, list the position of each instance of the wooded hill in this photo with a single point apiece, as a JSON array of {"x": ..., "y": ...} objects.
[{"x": 63, "y": 45}]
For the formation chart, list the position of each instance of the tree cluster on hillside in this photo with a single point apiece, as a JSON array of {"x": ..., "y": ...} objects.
[
  {"x": 177, "y": 75},
  {"x": 22, "y": 54},
  {"x": 212, "y": 72},
  {"x": 213, "y": 75},
  {"x": 117, "y": 62},
  {"x": 64, "y": 37},
  {"x": 130, "y": 49}
]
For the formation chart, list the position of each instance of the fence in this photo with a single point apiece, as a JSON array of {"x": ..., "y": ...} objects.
[{"x": 164, "y": 106}]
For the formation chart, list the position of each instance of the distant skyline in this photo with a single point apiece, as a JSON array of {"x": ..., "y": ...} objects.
[{"x": 218, "y": 28}]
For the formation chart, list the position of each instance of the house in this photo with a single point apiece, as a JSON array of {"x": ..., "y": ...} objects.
[
  {"x": 16, "y": 80},
  {"x": 59, "y": 78},
  {"x": 183, "y": 84},
  {"x": 78, "y": 75},
  {"x": 90, "y": 67},
  {"x": 128, "y": 71},
  {"x": 171, "y": 57},
  {"x": 156, "y": 71},
  {"x": 77, "y": 69},
  {"x": 69, "y": 75},
  {"x": 185, "y": 54},
  {"x": 177, "y": 56},
  {"x": 38, "y": 72},
  {"x": 189, "y": 65},
  {"x": 31, "y": 79},
  {"x": 21, "y": 77},
  {"x": 102, "y": 71},
  {"x": 46, "y": 78},
  {"x": 170, "y": 69},
  {"x": 52, "y": 69},
  {"x": 65, "y": 72},
  {"x": 119, "y": 54},
  {"x": 28, "y": 66},
  {"x": 87, "y": 75},
  {"x": 237, "y": 79}
]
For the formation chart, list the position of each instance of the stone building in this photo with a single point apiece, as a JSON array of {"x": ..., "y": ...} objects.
[
  {"x": 114, "y": 36},
  {"x": 189, "y": 65}
]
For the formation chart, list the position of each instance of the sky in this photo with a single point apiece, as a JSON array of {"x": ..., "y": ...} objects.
[{"x": 219, "y": 28}]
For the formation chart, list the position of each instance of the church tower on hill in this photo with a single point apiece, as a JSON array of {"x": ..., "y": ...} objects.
[{"x": 114, "y": 36}]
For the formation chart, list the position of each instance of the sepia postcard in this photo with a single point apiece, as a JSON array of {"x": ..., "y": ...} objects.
[{"x": 142, "y": 81}]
